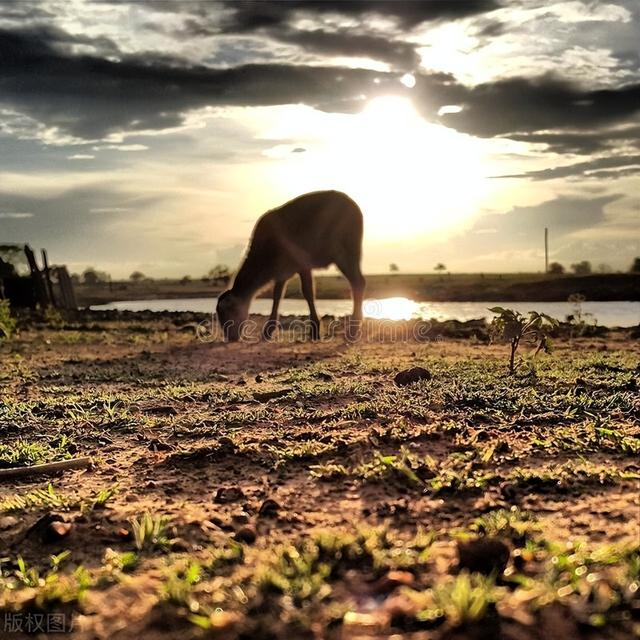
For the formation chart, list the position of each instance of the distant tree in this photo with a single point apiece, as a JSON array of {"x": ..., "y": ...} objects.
[
  {"x": 91, "y": 276},
  {"x": 137, "y": 276},
  {"x": 394, "y": 268},
  {"x": 603, "y": 267},
  {"x": 440, "y": 267},
  {"x": 185, "y": 280},
  {"x": 581, "y": 268},
  {"x": 635, "y": 266},
  {"x": 556, "y": 268},
  {"x": 75, "y": 278},
  {"x": 219, "y": 272}
]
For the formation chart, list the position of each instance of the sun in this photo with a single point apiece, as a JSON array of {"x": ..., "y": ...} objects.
[{"x": 411, "y": 177}]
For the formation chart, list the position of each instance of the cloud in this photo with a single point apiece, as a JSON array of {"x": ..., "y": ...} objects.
[
  {"x": 247, "y": 16},
  {"x": 516, "y": 237},
  {"x": 590, "y": 168},
  {"x": 90, "y": 97},
  {"x": 344, "y": 42},
  {"x": 586, "y": 142},
  {"x": 15, "y": 215},
  {"x": 519, "y": 105}
]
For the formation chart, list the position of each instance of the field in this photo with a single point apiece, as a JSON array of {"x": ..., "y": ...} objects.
[
  {"x": 293, "y": 490},
  {"x": 422, "y": 287}
]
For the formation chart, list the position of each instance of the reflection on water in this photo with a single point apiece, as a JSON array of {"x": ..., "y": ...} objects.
[
  {"x": 609, "y": 314},
  {"x": 391, "y": 309}
]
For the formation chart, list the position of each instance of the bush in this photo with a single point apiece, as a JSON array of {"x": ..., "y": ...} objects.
[{"x": 7, "y": 322}]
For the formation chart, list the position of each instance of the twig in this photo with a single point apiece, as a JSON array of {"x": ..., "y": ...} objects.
[{"x": 50, "y": 467}]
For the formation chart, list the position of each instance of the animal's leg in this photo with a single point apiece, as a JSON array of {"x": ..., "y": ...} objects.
[
  {"x": 306, "y": 280},
  {"x": 351, "y": 271},
  {"x": 272, "y": 323}
]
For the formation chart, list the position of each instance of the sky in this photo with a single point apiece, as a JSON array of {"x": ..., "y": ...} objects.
[{"x": 150, "y": 135}]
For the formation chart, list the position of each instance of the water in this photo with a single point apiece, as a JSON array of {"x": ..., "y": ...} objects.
[{"x": 609, "y": 314}]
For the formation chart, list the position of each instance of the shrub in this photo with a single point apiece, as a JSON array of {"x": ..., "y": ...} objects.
[{"x": 7, "y": 322}]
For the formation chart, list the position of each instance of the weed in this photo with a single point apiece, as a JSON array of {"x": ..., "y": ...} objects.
[
  {"x": 150, "y": 532},
  {"x": 516, "y": 328},
  {"x": 7, "y": 322}
]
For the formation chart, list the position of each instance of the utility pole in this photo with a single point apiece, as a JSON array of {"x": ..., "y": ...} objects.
[{"x": 546, "y": 250}]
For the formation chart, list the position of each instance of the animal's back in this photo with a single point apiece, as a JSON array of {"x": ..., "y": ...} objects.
[{"x": 313, "y": 230}]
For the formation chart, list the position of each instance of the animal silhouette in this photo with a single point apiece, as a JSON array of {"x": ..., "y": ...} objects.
[{"x": 311, "y": 231}]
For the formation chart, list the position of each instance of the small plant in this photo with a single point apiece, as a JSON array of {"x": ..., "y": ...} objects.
[
  {"x": 462, "y": 600},
  {"x": 53, "y": 318},
  {"x": 517, "y": 328},
  {"x": 100, "y": 499},
  {"x": 150, "y": 532},
  {"x": 179, "y": 586},
  {"x": 37, "y": 498},
  {"x": 23, "y": 453},
  {"x": 579, "y": 319},
  {"x": 7, "y": 322},
  {"x": 466, "y": 599}
]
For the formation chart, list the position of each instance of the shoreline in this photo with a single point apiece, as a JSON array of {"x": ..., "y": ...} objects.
[{"x": 418, "y": 287}]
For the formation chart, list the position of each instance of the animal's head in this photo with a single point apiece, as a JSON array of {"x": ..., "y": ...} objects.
[{"x": 232, "y": 311}]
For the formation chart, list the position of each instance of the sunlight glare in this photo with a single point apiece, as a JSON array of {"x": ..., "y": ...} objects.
[
  {"x": 397, "y": 308},
  {"x": 412, "y": 178}
]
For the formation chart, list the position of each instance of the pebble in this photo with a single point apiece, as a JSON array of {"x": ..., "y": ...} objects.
[
  {"x": 484, "y": 555},
  {"x": 246, "y": 534},
  {"x": 228, "y": 494},
  {"x": 409, "y": 376}
]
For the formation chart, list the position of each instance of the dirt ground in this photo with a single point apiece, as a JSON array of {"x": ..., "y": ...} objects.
[{"x": 295, "y": 490}]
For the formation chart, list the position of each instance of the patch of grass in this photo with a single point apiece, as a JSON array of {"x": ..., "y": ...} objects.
[
  {"x": 44, "y": 591},
  {"x": 150, "y": 532},
  {"x": 23, "y": 453},
  {"x": 461, "y": 600},
  {"x": 37, "y": 498},
  {"x": 51, "y": 499},
  {"x": 7, "y": 321}
]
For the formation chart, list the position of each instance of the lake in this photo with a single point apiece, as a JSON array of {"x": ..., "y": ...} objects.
[{"x": 609, "y": 314}]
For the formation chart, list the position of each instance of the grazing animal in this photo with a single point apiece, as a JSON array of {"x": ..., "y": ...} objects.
[{"x": 311, "y": 231}]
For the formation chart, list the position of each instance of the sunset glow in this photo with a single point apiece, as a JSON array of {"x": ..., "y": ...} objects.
[{"x": 462, "y": 129}]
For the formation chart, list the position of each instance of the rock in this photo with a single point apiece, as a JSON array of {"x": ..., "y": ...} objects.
[
  {"x": 409, "y": 376},
  {"x": 124, "y": 534},
  {"x": 56, "y": 530},
  {"x": 162, "y": 410},
  {"x": 264, "y": 396},
  {"x": 228, "y": 494},
  {"x": 246, "y": 534},
  {"x": 51, "y": 527},
  {"x": 485, "y": 555},
  {"x": 268, "y": 509},
  {"x": 391, "y": 580},
  {"x": 178, "y": 544},
  {"x": 241, "y": 517},
  {"x": 7, "y": 522}
]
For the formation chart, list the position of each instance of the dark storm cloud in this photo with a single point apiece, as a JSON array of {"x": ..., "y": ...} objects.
[
  {"x": 23, "y": 10},
  {"x": 519, "y": 105},
  {"x": 589, "y": 168},
  {"x": 273, "y": 19},
  {"x": 90, "y": 96},
  {"x": 247, "y": 16},
  {"x": 339, "y": 42},
  {"x": 345, "y": 43},
  {"x": 583, "y": 143}
]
